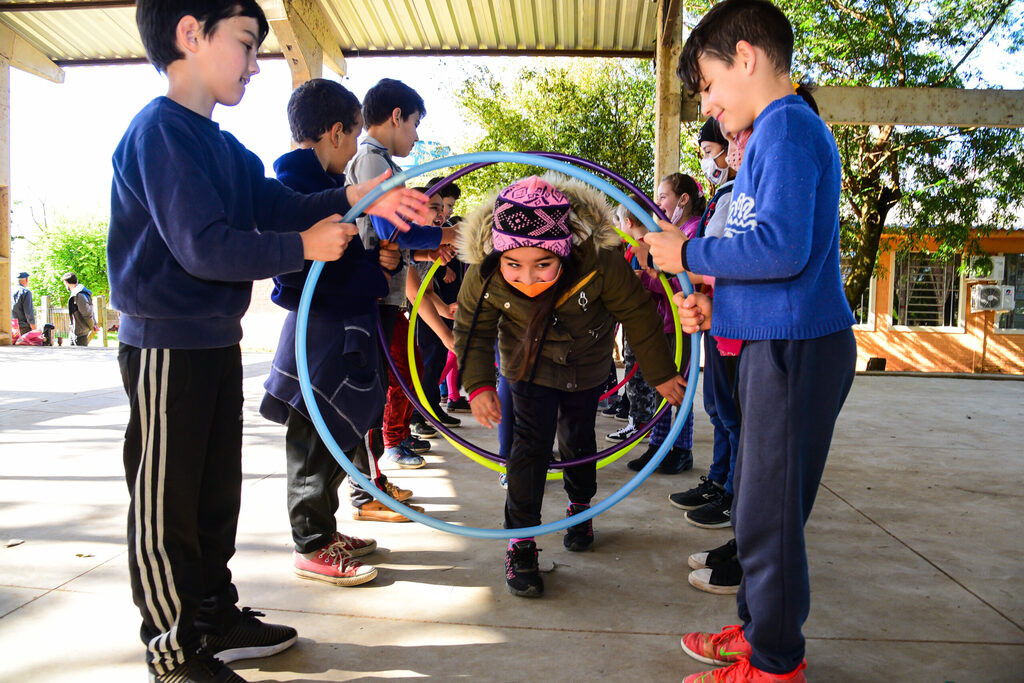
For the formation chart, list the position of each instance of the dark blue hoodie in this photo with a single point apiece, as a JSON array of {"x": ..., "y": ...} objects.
[{"x": 193, "y": 221}]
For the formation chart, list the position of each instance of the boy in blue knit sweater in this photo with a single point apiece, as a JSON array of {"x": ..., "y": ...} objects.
[
  {"x": 193, "y": 221},
  {"x": 779, "y": 290}
]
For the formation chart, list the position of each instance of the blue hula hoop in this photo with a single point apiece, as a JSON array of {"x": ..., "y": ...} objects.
[{"x": 477, "y": 532}]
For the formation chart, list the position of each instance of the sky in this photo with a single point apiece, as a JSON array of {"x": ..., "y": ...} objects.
[{"x": 63, "y": 135}]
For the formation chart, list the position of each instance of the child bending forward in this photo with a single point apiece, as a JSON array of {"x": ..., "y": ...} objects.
[{"x": 548, "y": 280}]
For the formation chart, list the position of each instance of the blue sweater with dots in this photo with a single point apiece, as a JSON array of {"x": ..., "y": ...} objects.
[{"x": 777, "y": 264}]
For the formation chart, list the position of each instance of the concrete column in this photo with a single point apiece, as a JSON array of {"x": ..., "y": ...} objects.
[
  {"x": 5, "y": 201},
  {"x": 668, "y": 90}
]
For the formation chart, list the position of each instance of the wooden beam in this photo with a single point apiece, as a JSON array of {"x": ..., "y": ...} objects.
[
  {"x": 23, "y": 55},
  {"x": 305, "y": 38},
  {"x": 668, "y": 89},
  {"x": 65, "y": 5},
  {"x": 911, "y": 107},
  {"x": 5, "y": 201}
]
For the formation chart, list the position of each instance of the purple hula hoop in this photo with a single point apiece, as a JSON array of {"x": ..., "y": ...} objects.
[{"x": 494, "y": 457}]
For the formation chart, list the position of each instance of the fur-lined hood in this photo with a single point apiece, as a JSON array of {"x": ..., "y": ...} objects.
[{"x": 591, "y": 218}]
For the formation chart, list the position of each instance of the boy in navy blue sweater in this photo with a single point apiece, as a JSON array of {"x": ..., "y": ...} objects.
[
  {"x": 193, "y": 221},
  {"x": 778, "y": 288}
]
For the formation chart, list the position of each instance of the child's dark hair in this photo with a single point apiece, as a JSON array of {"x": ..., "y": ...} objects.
[
  {"x": 683, "y": 184},
  {"x": 543, "y": 306},
  {"x": 318, "y": 104},
  {"x": 804, "y": 90},
  {"x": 758, "y": 22},
  {"x": 450, "y": 190},
  {"x": 382, "y": 99},
  {"x": 158, "y": 23},
  {"x": 69, "y": 278}
]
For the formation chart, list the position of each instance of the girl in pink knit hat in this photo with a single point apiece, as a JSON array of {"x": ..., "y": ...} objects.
[{"x": 547, "y": 281}]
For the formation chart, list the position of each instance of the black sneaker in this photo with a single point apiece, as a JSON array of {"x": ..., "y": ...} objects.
[
  {"x": 612, "y": 409},
  {"x": 521, "y": 573},
  {"x": 698, "y": 496},
  {"x": 415, "y": 445},
  {"x": 722, "y": 579},
  {"x": 712, "y": 558},
  {"x": 447, "y": 420},
  {"x": 622, "y": 411},
  {"x": 199, "y": 667},
  {"x": 637, "y": 464},
  {"x": 581, "y": 536},
  {"x": 621, "y": 434},
  {"x": 459, "y": 405},
  {"x": 714, "y": 515},
  {"x": 423, "y": 430},
  {"x": 249, "y": 637},
  {"x": 676, "y": 460}
]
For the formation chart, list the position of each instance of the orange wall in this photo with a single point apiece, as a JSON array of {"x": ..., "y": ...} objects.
[{"x": 975, "y": 348}]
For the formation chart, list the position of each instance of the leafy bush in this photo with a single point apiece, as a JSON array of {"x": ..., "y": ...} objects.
[{"x": 70, "y": 245}]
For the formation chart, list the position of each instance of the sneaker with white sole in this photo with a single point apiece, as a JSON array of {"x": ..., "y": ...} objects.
[
  {"x": 423, "y": 430},
  {"x": 722, "y": 579},
  {"x": 698, "y": 496},
  {"x": 248, "y": 638},
  {"x": 620, "y": 435},
  {"x": 713, "y": 557},
  {"x": 415, "y": 445},
  {"x": 333, "y": 564},
  {"x": 715, "y": 515},
  {"x": 198, "y": 667},
  {"x": 726, "y": 647},
  {"x": 459, "y": 405},
  {"x": 403, "y": 458}
]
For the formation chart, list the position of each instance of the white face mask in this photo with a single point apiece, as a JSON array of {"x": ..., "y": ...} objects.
[{"x": 715, "y": 173}]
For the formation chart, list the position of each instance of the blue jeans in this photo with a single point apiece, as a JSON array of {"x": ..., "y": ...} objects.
[{"x": 721, "y": 408}]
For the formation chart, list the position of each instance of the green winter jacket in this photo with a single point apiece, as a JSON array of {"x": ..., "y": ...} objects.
[{"x": 577, "y": 348}]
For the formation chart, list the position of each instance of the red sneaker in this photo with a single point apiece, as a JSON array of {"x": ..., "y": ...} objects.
[
  {"x": 722, "y": 649},
  {"x": 355, "y": 547},
  {"x": 744, "y": 672},
  {"x": 333, "y": 565}
]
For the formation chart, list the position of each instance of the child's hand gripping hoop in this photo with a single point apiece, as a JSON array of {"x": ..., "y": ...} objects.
[{"x": 357, "y": 476}]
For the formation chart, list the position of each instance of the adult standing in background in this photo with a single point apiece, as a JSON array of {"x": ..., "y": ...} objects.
[
  {"x": 80, "y": 318},
  {"x": 21, "y": 305}
]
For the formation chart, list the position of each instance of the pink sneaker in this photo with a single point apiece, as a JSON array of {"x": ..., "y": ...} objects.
[
  {"x": 333, "y": 565},
  {"x": 724, "y": 648},
  {"x": 744, "y": 672},
  {"x": 355, "y": 547}
]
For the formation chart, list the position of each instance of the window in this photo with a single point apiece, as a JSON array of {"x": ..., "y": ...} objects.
[
  {"x": 866, "y": 306},
  {"x": 1013, "y": 275},
  {"x": 925, "y": 291}
]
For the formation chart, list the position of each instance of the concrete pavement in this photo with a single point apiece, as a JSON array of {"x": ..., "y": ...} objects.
[{"x": 915, "y": 547}]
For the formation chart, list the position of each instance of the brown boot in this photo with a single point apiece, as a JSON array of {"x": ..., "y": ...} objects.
[{"x": 375, "y": 511}]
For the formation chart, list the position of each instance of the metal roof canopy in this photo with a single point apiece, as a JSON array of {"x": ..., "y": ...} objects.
[{"x": 42, "y": 36}]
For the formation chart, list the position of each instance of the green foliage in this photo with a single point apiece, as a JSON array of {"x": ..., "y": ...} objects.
[
  {"x": 77, "y": 246},
  {"x": 600, "y": 110}
]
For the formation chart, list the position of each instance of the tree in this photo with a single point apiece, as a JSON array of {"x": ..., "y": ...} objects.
[
  {"x": 69, "y": 245},
  {"x": 939, "y": 183},
  {"x": 599, "y": 109}
]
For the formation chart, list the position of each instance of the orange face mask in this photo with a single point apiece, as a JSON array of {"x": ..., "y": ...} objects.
[{"x": 537, "y": 288}]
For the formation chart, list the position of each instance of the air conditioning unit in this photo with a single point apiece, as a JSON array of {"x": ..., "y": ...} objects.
[
  {"x": 979, "y": 268},
  {"x": 992, "y": 298}
]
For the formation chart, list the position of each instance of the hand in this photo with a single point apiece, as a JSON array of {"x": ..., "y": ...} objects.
[
  {"x": 672, "y": 390},
  {"x": 449, "y": 341},
  {"x": 486, "y": 408},
  {"x": 449, "y": 276},
  {"x": 694, "y": 311},
  {"x": 328, "y": 239},
  {"x": 388, "y": 256},
  {"x": 397, "y": 206},
  {"x": 666, "y": 247},
  {"x": 443, "y": 252}
]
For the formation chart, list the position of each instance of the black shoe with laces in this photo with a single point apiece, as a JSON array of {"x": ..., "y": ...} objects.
[
  {"x": 611, "y": 410},
  {"x": 637, "y": 464},
  {"x": 722, "y": 579},
  {"x": 622, "y": 411},
  {"x": 521, "y": 572},
  {"x": 199, "y": 667},
  {"x": 714, "y": 515},
  {"x": 698, "y": 496},
  {"x": 676, "y": 460},
  {"x": 447, "y": 420},
  {"x": 713, "y": 558},
  {"x": 578, "y": 537},
  {"x": 248, "y": 637},
  {"x": 421, "y": 429}
]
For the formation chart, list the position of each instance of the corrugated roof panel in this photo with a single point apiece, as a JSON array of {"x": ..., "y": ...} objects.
[{"x": 370, "y": 26}]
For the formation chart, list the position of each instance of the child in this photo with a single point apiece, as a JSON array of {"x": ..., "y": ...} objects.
[
  {"x": 779, "y": 289},
  {"x": 392, "y": 112},
  {"x": 547, "y": 279},
  {"x": 680, "y": 198},
  {"x": 325, "y": 121},
  {"x": 193, "y": 221}
]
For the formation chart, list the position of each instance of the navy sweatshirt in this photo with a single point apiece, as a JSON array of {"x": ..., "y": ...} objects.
[
  {"x": 349, "y": 286},
  {"x": 193, "y": 221}
]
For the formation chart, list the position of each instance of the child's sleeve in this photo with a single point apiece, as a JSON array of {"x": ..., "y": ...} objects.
[
  {"x": 191, "y": 218},
  {"x": 627, "y": 299},
  {"x": 279, "y": 208},
  {"x": 768, "y": 235},
  {"x": 475, "y": 352}
]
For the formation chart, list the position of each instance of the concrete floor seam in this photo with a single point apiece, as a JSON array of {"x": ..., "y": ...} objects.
[{"x": 919, "y": 554}]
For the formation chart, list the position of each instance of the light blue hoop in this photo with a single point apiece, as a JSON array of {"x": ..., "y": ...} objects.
[{"x": 358, "y": 477}]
